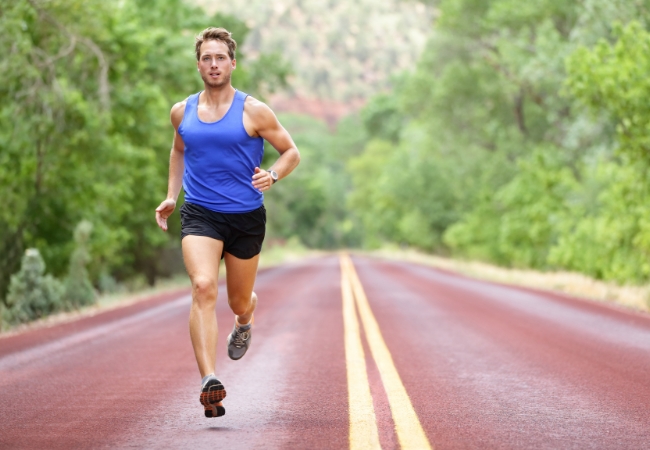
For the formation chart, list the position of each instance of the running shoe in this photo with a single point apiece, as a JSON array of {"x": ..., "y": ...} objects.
[
  {"x": 211, "y": 394},
  {"x": 239, "y": 340}
]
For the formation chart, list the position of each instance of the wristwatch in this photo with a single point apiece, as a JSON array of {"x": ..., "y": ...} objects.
[{"x": 274, "y": 175}]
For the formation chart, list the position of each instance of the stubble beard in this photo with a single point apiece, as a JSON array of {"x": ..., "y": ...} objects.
[{"x": 216, "y": 84}]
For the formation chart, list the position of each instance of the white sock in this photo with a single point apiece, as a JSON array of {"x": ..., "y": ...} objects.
[
  {"x": 244, "y": 327},
  {"x": 206, "y": 378}
]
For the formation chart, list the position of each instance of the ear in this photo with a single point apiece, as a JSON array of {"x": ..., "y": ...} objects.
[{"x": 234, "y": 64}]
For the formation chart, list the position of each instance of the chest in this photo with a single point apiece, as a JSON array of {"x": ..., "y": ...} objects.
[{"x": 211, "y": 114}]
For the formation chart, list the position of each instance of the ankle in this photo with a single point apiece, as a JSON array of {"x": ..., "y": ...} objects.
[
  {"x": 244, "y": 326},
  {"x": 207, "y": 378}
]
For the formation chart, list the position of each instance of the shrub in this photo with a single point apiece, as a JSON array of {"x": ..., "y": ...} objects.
[
  {"x": 79, "y": 290},
  {"x": 32, "y": 294}
]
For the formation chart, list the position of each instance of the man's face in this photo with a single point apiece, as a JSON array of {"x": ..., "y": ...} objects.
[{"x": 214, "y": 64}]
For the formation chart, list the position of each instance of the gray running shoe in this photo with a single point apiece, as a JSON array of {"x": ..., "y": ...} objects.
[{"x": 238, "y": 341}]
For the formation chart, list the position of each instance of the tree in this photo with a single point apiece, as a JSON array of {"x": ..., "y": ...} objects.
[
  {"x": 85, "y": 93},
  {"x": 522, "y": 139}
]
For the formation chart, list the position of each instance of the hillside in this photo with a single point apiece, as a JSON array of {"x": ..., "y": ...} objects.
[{"x": 341, "y": 52}]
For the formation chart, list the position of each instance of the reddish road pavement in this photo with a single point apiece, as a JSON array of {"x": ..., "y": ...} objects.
[{"x": 484, "y": 366}]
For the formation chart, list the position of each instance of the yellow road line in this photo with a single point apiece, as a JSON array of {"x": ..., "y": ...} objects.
[
  {"x": 407, "y": 425},
  {"x": 363, "y": 423}
]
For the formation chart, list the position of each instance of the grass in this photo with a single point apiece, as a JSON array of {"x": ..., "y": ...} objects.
[
  {"x": 575, "y": 284},
  {"x": 280, "y": 252},
  {"x": 275, "y": 253},
  {"x": 104, "y": 303}
]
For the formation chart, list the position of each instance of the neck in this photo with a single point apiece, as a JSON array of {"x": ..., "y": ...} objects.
[{"x": 218, "y": 95}]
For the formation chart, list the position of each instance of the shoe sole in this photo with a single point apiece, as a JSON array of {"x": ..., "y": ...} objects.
[
  {"x": 215, "y": 411},
  {"x": 213, "y": 393}
]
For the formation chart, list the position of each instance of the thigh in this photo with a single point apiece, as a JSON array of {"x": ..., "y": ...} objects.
[
  {"x": 240, "y": 275},
  {"x": 202, "y": 256}
]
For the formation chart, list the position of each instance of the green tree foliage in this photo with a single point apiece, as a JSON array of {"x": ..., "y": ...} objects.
[
  {"x": 521, "y": 138},
  {"x": 32, "y": 294},
  {"x": 85, "y": 93},
  {"x": 310, "y": 204},
  {"x": 613, "y": 240},
  {"x": 517, "y": 224},
  {"x": 613, "y": 77},
  {"x": 382, "y": 118}
]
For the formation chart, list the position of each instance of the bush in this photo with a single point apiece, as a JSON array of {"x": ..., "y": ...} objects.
[
  {"x": 79, "y": 290},
  {"x": 31, "y": 293}
]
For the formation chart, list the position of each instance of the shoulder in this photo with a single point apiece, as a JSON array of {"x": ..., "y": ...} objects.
[
  {"x": 177, "y": 112},
  {"x": 258, "y": 111}
]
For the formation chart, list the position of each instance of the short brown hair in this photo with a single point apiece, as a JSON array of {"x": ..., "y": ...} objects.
[{"x": 215, "y": 34}]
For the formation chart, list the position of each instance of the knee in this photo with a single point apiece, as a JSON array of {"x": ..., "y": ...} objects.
[
  {"x": 204, "y": 290},
  {"x": 240, "y": 304}
]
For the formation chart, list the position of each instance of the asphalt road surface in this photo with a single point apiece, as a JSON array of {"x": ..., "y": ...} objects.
[{"x": 345, "y": 353}]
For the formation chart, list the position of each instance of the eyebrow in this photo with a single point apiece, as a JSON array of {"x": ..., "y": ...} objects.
[{"x": 216, "y": 54}]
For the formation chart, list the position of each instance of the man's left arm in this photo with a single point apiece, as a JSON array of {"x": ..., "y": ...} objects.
[{"x": 267, "y": 126}]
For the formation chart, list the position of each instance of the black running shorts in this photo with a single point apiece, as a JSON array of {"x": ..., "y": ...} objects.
[{"x": 242, "y": 234}]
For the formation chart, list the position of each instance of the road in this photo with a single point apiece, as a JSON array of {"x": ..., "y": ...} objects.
[{"x": 346, "y": 353}]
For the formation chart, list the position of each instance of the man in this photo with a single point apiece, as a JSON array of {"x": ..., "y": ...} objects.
[{"x": 216, "y": 155}]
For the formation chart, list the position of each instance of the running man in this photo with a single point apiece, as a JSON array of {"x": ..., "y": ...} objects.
[{"x": 216, "y": 155}]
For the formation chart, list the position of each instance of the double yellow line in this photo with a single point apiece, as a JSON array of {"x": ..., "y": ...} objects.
[{"x": 363, "y": 422}]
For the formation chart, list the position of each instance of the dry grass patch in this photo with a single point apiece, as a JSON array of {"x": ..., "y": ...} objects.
[
  {"x": 635, "y": 297},
  {"x": 104, "y": 303},
  {"x": 273, "y": 254}
]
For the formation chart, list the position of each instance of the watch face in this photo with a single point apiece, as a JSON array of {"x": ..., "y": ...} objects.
[{"x": 274, "y": 175}]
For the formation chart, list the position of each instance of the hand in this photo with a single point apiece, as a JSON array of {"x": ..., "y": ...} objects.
[
  {"x": 262, "y": 180},
  {"x": 165, "y": 210}
]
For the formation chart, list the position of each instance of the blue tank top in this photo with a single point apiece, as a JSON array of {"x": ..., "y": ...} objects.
[{"x": 220, "y": 159}]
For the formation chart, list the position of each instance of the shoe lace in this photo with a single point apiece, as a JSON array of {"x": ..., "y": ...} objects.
[{"x": 240, "y": 338}]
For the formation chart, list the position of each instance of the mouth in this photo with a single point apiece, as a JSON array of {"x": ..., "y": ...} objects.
[{"x": 214, "y": 74}]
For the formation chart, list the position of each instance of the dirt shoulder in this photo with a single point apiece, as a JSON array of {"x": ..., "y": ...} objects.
[
  {"x": 578, "y": 285},
  {"x": 274, "y": 256},
  {"x": 575, "y": 284}
]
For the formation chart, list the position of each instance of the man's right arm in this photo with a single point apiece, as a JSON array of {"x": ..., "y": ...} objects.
[{"x": 176, "y": 168}]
